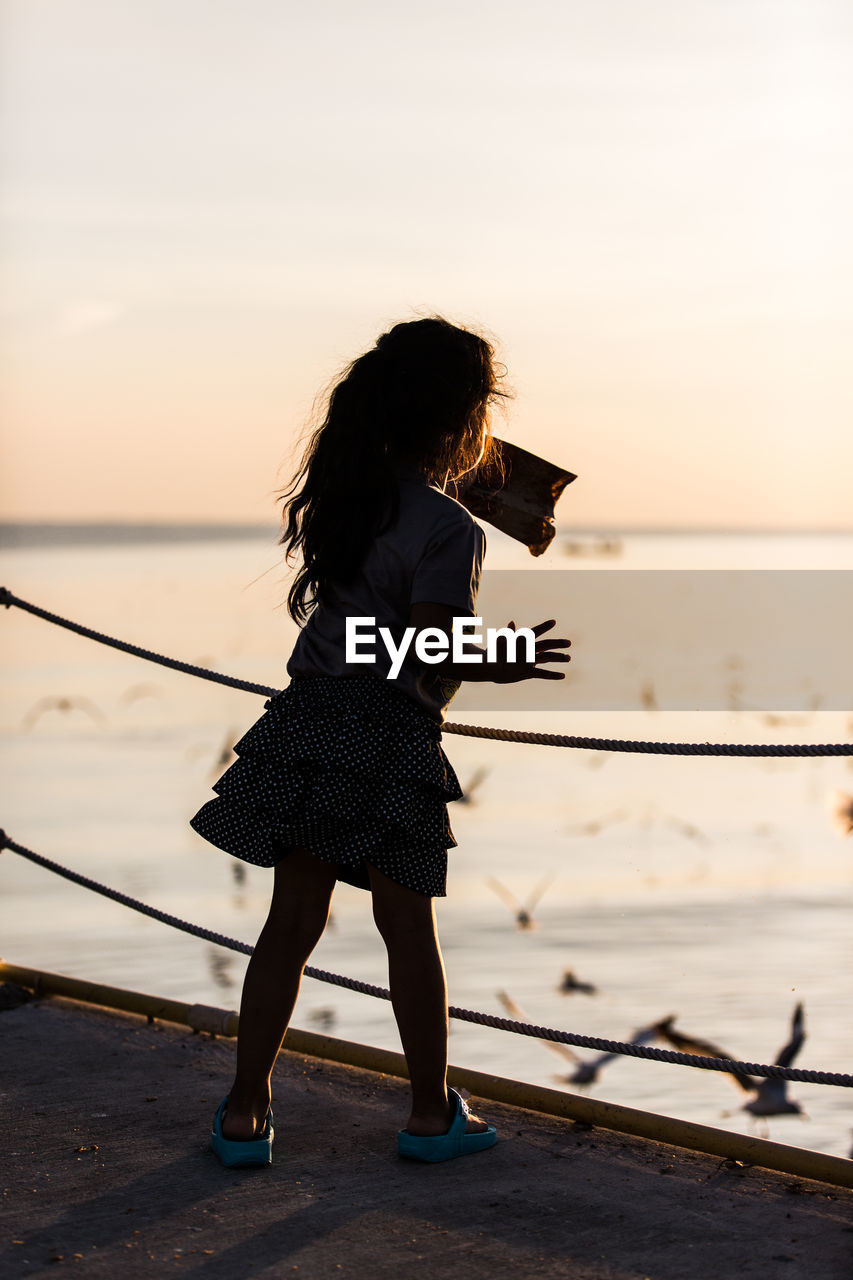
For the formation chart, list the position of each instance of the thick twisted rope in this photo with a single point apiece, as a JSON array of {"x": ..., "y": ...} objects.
[
  {"x": 464, "y": 730},
  {"x": 8, "y": 599},
  {"x": 463, "y": 1015},
  {"x": 651, "y": 748}
]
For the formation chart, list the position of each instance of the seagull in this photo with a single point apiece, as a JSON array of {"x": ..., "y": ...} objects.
[
  {"x": 323, "y": 1017},
  {"x": 55, "y": 703},
  {"x": 477, "y": 779},
  {"x": 137, "y": 691},
  {"x": 586, "y": 1069},
  {"x": 842, "y": 812},
  {"x": 563, "y": 1050},
  {"x": 570, "y": 983},
  {"x": 647, "y": 696},
  {"x": 595, "y": 825},
  {"x": 772, "y": 1094},
  {"x": 523, "y": 914},
  {"x": 666, "y": 1031},
  {"x": 686, "y": 828},
  {"x": 220, "y": 966},
  {"x": 778, "y": 721},
  {"x": 226, "y": 754}
]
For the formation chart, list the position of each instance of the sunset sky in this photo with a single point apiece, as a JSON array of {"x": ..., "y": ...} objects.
[{"x": 209, "y": 206}]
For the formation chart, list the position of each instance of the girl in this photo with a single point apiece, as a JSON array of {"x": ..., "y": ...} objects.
[{"x": 343, "y": 776}]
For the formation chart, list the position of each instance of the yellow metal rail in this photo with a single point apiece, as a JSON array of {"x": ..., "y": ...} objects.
[{"x": 796, "y": 1161}]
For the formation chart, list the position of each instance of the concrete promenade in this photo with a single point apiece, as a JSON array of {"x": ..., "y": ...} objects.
[{"x": 107, "y": 1173}]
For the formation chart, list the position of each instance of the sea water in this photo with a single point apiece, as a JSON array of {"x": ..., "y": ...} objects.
[{"x": 715, "y": 889}]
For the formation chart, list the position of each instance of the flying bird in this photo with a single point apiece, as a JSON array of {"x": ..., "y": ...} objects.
[
  {"x": 136, "y": 691},
  {"x": 323, "y": 1017},
  {"x": 523, "y": 913},
  {"x": 842, "y": 812},
  {"x": 647, "y": 696},
  {"x": 477, "y": 779},
  {"x": 569, "y": 984},
  {"x": 55, "y": 703},
  {"x": 665, "y": 1030},
  {"x": 778, "y": 721},
  {"x": 226, "y": 754},
  {"x": 586, "y": 1070},
  {"x": 688, "y": 829},
  {"x": 595, "y": 825},
  {"x": 563, "y": 1051},
  {"x": 220, "y": 967},
  {"x": 772, "y": 1094}
]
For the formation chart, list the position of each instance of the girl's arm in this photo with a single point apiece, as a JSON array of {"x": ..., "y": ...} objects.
[{"x": 498, "y": 671}]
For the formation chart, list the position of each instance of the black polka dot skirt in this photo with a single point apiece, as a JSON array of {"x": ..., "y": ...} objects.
[{"x": 347, "y": 767}]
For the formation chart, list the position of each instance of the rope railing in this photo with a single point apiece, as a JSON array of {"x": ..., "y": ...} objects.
[
  {"x": 204, "y": 673},
  {"x": 628, "y": 1049},
  {"x": 464, "y": 730},
  {"x": 631, "y": 1049}
]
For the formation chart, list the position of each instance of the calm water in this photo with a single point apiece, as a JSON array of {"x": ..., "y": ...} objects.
[{"x": 717, "y": 890}]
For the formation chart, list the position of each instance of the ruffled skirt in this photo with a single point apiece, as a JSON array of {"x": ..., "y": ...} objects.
[{"x": 347, "y": 767}]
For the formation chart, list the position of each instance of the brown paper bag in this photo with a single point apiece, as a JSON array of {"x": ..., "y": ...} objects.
[{"x": 516, "y": 492}]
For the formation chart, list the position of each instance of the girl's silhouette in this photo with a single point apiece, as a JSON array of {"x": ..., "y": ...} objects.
[{"x": 343, "y": 777}]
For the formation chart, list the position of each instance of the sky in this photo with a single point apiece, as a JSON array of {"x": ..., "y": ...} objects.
[{"x": 210, "y": 206}]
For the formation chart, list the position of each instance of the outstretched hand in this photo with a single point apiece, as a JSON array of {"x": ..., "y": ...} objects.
[
  {"x": 498, "y": 669},
  {"x": 505, "y": 672}
]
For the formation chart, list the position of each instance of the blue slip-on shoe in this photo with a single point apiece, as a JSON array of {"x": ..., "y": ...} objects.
[
  {"x": 456, "y": 1142},
  {"x": 234, "y": 1155}
]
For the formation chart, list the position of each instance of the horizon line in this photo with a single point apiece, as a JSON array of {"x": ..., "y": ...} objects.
[{"x": 252, "y": 526}]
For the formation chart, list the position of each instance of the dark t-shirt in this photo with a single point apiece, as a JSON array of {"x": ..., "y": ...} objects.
[{"x": 433, "y": 553}]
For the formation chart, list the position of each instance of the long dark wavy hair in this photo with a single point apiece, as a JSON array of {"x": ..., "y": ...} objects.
[{"x": 419, "y": 397}]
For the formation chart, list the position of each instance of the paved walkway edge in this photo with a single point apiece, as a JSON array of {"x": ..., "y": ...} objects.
[{"x": 797, "y": 1161}]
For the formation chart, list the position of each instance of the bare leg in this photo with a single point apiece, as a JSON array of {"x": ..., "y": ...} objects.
[
  {"x": 297, "y": 917},
  {"x": 406, "y": 921}
]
